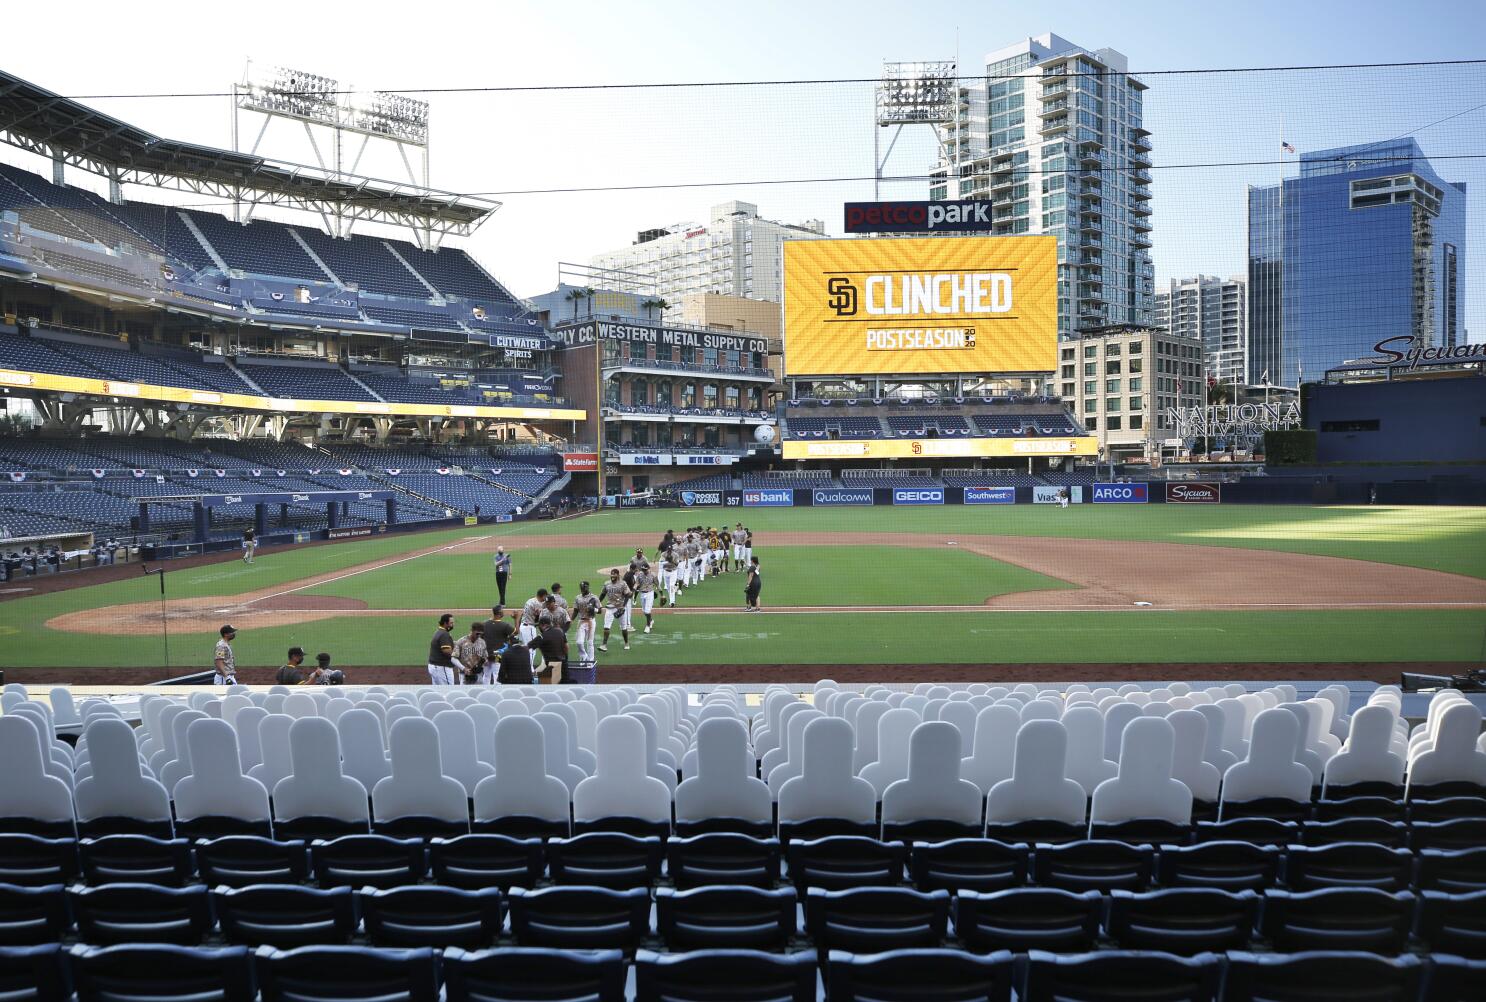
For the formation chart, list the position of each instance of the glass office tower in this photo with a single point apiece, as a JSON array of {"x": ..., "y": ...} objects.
[{"x": 1367, "y": 243}]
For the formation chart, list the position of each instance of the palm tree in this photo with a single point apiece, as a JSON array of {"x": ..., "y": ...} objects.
[
  {"x": 574, "y": 296},
  {"x": 649, "y": 305},
  {"x": 662, "y": 305},
  {"x": 588, "y": 294}
]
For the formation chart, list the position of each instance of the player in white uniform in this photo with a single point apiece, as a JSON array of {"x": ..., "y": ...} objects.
[
  {"x": 587, "y": 611},
  {"x": 645, "y": 583},
  {"x": 670, "y": 575},
  {"x": 616, "y": 598},
  {"x": 738, "y": 537},
  {"x": 530, "y": 614},
  {"x": 699, "y": 559}
]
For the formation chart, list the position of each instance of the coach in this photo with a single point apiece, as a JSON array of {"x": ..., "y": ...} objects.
[{"x": 502, "y": 571}]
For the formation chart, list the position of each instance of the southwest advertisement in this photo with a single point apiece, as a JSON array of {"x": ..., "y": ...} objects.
[{"x": 928, "y": 305}]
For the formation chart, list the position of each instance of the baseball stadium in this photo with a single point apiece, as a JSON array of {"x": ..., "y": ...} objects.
[{"x": 404, "y": 598}]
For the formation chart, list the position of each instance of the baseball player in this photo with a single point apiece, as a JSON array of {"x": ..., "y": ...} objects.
[
  {"x": 739, "y": 537},
  {"x": 224, "y": 662},
  {"x": 531, "y": 613},
  {"x": 670, "y": 573},
  {"x": 638, "y": 561},
  {"x": 725, "y": 537},
  {"x": 747, "y": 547},
  {"x": 587, "y": 611},
  {"x": 645, "y": 582},
  {"x": 250, "y": 545},
  {"x": 698, "y": 558},
  {"x": 616, "y": 598},
  {"x": 1063, "y": 498}
]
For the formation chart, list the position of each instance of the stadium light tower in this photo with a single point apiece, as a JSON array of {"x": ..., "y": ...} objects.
[
  {"x": 912, "y": 94},
  {"x": 337, "y": 115}
]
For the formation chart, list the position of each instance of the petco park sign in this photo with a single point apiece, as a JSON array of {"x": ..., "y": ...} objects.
[{"x": 918, "y": 217}]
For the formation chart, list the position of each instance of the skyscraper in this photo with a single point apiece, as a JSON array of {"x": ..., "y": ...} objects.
[
  {"x": 1367, "y": 243},
  {"x": 1053, "y": 135},
  {"x": 1213, "y": 310}
]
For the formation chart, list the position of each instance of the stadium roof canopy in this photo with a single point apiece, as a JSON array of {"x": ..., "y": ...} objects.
[{"x": 67, "y": 131}]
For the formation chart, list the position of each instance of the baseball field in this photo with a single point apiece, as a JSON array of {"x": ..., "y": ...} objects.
[{"x": 957, "y": 592}]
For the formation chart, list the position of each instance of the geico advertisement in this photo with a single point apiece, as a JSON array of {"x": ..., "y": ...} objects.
[
  {"x": 898, "y": 448},
  {"x": 936, "y": 304}
]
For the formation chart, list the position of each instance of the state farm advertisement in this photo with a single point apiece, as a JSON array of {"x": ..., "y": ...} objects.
[{"x": 580, "y": 462}]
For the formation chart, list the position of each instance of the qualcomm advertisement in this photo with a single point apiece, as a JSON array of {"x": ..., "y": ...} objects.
[
  {"x": 918, "y": 495},
  {"x": 828, "y": 496},
  {"x": 1121, "y": 493},
  {"x": 769, "y": 498},
  {"x": 990, "y": 495}
]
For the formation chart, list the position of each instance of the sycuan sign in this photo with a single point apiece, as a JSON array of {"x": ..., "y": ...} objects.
[{"x": 1413, "y": 353}]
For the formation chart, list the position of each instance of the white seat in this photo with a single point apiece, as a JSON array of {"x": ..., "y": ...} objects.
[
  {"x": 165, "y": 736},
  {"x": 1144, "y": 787},
  {"x": 484, "y": 716},
  {"x": 1271, "y": 768},
  {"x": 794, "y": 748},
  {"x": 1307, "y": 755},
  {"x": 457, "y": 750},
  {"x": 1038, "y": 790},
  {"x": 1086, "y": 764},
  {"x": 418, "y": 786},
  {"x": 318, "y": 787},
  {"x": 523, "y": 789},
  {"x": 117, "y": 786},
  {"x": 961, "y": 714},
  {"x": 57, "y": 766},
  {"x": 299, "y": 705},
  {"x": 217, "y": 786},
  {"x": 825, "y": 787},
  {"x": 865, "y": 751},
  {"x": 249, "y": 745},
  {"x": 578, "y": 756},
  {"x": 64, "y": 711},
  {"x": 1213, "y": 751},
  {"x": 335, "y": 707},
  {"x": 1115, "y": 720},
  {"x": 894, "y": 734},
  {"x": 1189, "y": 765},
  {"x": 555, "y": 738},
  {"x": 363, "y": 756},
  {"x": 1368, "y": 755},
  {"x": 1042, "y": 709},
  {"x": 29, "y": 791},
  {"x": 724, "y": 785},
  {"x": 179, "y": 767},
  {"x": 273, "y": 739},
  {"x": 274, "y": 701},
  {"x": 934, "y": 707},
  {"x": 1156, "y": 708},
  {"x": 654, "y": 767},
  {"x": 622, "y": 786},
  {"x": 933, "y": 789},
  {"x": 1453, "y": 756},
  {"x": 778, "y": 751},
  {"x": 1235, "y": 727},
  {"x": 993, "y": 749},
  {"x": 231, "y": 707}
]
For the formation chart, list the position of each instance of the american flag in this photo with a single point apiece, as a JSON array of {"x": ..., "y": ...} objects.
[{"x": 1286, "y": 147}]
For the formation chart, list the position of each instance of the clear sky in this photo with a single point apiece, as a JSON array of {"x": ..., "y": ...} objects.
[{"x": 518, "y": 141}]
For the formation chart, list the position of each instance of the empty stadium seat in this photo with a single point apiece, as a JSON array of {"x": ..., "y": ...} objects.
[
  {"x": 1028, "y": 918},
  {"x": 135, "y": 859},
  {"x": 1183, "y": 920},
  {"x": 1453, "y": 923},
  {"x": 476, "y": 861},
  {"x": 1458, "y": 871},
  {"x": 34, "y": 973},
  {"x": 31, "y": 916},
  {"x": 1337, "y": 918},
  {"x": 131, "y": 913},
  {"x": 965, "y": 864},
  {"x": 723, "y": 858},
  {"x": 1348, "y": 864},
  {"x": 580, "y": 918},
  {"x": 34, "y": 861},
  {"x": 720, "y": 975},
  {"x": 726, "y": 916},
  {"x": 1321, "y": 976},
  {"x": 917, "y": 975},
  {"x": 432, "y": 916},
  {"x": 1223, "y": 865},
  {"x": 347, "y": 973},
  {"x": 285, "y": 915},
  {"x": 1093, "y": 865},
  {"x": 162, "y": 973},
  {"x": 844, "y": 861},
  {"x": 869, "y": 919},
  {"x": 606, "y": 859},
  {"x": 537, "y": 973},
  {"x": 367, "y": 861}
]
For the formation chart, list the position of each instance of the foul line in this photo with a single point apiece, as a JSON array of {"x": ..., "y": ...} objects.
[
  {"x": 828, "y": 610},
  {"x": 364, "y": 570}
]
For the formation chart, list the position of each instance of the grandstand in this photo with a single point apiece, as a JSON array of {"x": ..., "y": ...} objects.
[{"x": 867, "y": 842}]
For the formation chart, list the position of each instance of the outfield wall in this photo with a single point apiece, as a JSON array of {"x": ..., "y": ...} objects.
[{"x": 1252, "y": 490}]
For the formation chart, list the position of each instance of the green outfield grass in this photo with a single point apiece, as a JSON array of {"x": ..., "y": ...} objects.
[
  {"x": 797, "y": 575},
  {"x": 1447, "y": 539}
]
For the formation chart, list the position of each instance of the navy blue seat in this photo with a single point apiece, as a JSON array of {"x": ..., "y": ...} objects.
[
  {"x": 367, "y": 861},
  {"x": 138, "y": 859},
  {"x": 1458, "y": 871},
  {"x": 38, "y": 827},
  {"x": 1337, "y": 805},
  {"x": 811, "y": 829},
  {"x": 141, "y": 913},
  {"x": 1258, "y": 831},
  {"x": 307, "y": 829},
  {"x": 606, "y": 859},
  {"x": 99, "y": 827},
  {"x": 34, "y": 973},
  {"x": 844, "y": 861},
  {"x": 1028, "y": 918},
  {"x": 723, "y": 858},
  {"x": 1453, "y": 923},
  {"x": 243, "y": 860},
  {"x": 1458, "y": 833},
  {"x": 217, "y": 826},
  {"x": 32, "y": 861},
  {"x": 1271, "y": 808},
  {"x": 522, "y": 827},
  {"x": 285, "y": 915},
  {"x": 1228, "y": 866},
  {"x": 1038, "y": 832},
  {"x": 476, "y": 861},
  {"x": 731, "y": 917},
  {"x": 1377, "y": 831},
  {"x": 419, "y": 827},
  {"x": 1442, "y": 791},
  {"x": 919, "y": 976},
  {"x": 160, "y": 973},
  {"x": 1455, "y": 979},
  {"x": 1348, "y": 864},
  {"x": 346, "y": 974},
  {"x": 1447, "y": 809},
  {"x": 872, "y": 919},
  {"x": 1120, "y": 976},
  {"x": 1183, "y": 920},
  {"x": 971, "y": 864},
  {"x": 725, "y": 826},
  {"x": 432, "y": 916},
  {"x": 537, "y": 974},
  {"x": 580, "y": 918},
  {"x": 724, "y": 976},
  {"x": 31, "y": 916},
  {"x": 1143, "y": 831},
  {"x": 1350, "y": 918},
  {"x": 1093, "y": 865},
  {"x": 928, "y": 830},
  {"x": 633, "y": 827},
  {"x": 1321, "y": 976}
]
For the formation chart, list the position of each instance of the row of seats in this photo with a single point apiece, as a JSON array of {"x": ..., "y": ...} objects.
[
  {"x": 164, "y": 973},
  {"x": 864, "y": 919}
]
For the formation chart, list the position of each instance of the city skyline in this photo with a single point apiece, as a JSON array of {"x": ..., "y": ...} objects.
[{"x": 523, "y": 141}]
